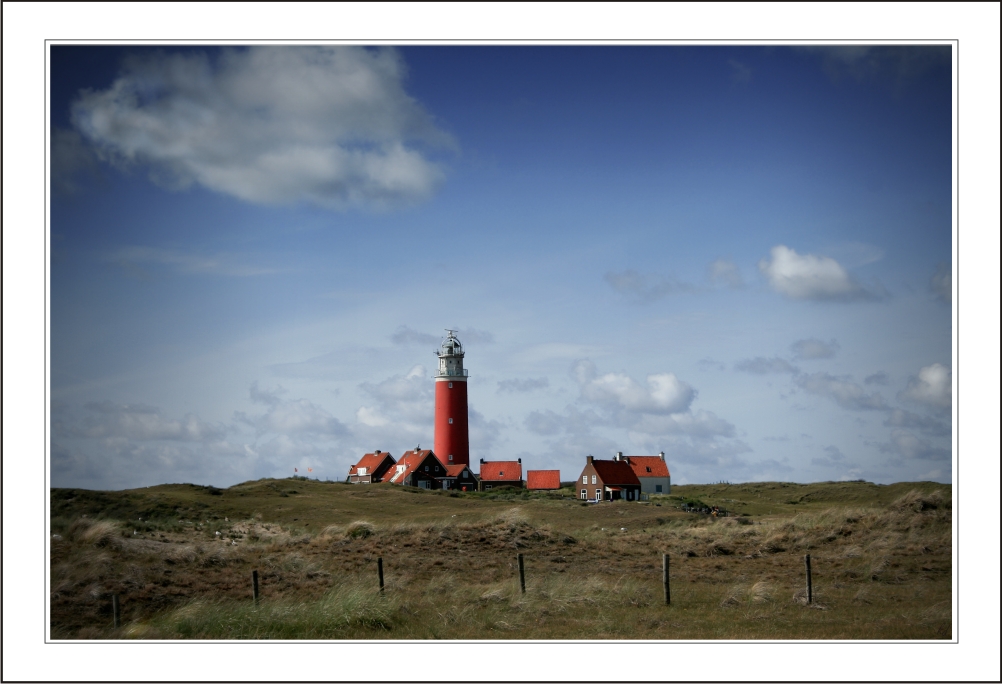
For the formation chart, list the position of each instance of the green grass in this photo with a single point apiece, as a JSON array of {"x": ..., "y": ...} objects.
[{"x": 881, "y": 558}]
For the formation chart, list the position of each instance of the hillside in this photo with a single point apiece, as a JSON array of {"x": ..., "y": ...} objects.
[{"x": 180, "y": 558}]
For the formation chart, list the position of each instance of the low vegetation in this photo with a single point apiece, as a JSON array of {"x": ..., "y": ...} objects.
[{"x": 180, "y": 559}]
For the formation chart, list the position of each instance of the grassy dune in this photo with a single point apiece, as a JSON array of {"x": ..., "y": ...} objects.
[{"x": 881, "y": 557}]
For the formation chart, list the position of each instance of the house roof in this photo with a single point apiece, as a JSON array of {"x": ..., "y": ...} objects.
[
  {"x": 542, "y": 479},
  {"x": 648, "y": 466},
  {"x": 457, "y": 469},
  {"x": 408, "y": 463},
  {"x": 371, "y": 462},
  {"x": 501, "y": 470},
  {"x": 615, "y": 472}
]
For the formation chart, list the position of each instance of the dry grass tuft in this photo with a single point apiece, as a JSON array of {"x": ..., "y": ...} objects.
[{"x": 101, "y": 533}]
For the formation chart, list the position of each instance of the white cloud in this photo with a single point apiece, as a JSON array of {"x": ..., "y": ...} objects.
[
  {"x": 763, "y": 366},
  {"x": 809, "y": 276},
  {"x": 328, "y": 125},
  {"x": 138, "y": 422},
  {"x": 703, "y": 424},
  {"x": 520, "y": 385},
  {"x": 909, "y": 446},
  {"x": 664, "y": 392},
  {"x": 932, "y": 388},
  {"x": 724, "y": 272},
  {"x": 814, "y": 349},
  {"x": 296, "y": 416},
  {"x": 842, "y": 391}
]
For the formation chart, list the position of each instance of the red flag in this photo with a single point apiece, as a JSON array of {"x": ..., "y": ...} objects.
[
  {"x": 295, "y": 470},
  {"x": 310, "y": 470}
]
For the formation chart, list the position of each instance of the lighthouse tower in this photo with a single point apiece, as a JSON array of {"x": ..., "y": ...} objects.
[{"x": 452, "y": 424}]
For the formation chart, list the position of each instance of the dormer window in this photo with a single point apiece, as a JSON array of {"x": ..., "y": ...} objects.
[
  {"x": 361, "y": 471},
  {"x": 648, "y": 469},
  {"x": 501, "y": 473},
  {"x": 401, "y": 468}
]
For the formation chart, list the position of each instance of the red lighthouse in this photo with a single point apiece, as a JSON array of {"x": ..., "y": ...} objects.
[{"x": 452, "y": 424}]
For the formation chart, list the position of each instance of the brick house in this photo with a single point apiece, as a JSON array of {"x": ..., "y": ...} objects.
[
  {"x": 542, "y": 479},
  {"x": 494, "y": 474},
  {"x": 417, "y": 468},
  {"x": 652, "y": 471},
  {"x": 460, "y": 477},
  {"x": 608, "y": 481},
  {"x": 371, "y": 468}
]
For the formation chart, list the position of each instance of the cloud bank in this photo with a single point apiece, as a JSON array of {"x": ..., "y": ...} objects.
[
  {"x": 326, "y": 125},
  {"x": 811, "y": 277}
]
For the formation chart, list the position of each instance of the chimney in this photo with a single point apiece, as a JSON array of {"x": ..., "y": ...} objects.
[
  {"x": 482, "y": 461},
  {"x": 591, "y": 458},
  {"x": 662, "y": 455},
  {"x": 378, "y": 452},
  {"x": 519, "y": 460},
  {"x": 619, "y": 455}
]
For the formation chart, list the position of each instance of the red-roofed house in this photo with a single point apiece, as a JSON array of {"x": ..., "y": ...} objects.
[
  {"x": 652, "y": 471},
  {"x": 542, "y": 479},
  {"x": 417, "y": 468},
  {"x": 460, "y": 477},
  {"x": 608, "y": 481},
  {"x": 494, "y": 474},
  {"x": 371, "y": 468}
]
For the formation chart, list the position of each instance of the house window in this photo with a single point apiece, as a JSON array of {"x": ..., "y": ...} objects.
[
  {"x": 584, "y": 479},
  {"x": 436, "y": 469},
  {"x": 487, "y": 486},
  {"x": 648, "y": 469},
  {"x": 361, "y": 471},
  {"x": 657, "y": 488},
  {"x": 594, "y": 479},
  {"x": 584, "y": 493},
  {"x": 464, "y": 472},
  {"x": 450, "y": 385},
  {"x": 426, "y": 469},
  {"x": 598, "y": 494},
  {"x": 450, "y": 421},
  {"x": 501, "y": 473},
  {"x": 450, "y": 457}
]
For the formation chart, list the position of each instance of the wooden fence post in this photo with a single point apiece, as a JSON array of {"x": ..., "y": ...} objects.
[
  {"x": 521, "y": 572},
  {"x": 116, "y": 613},
  {"x": 664, "y": 570},
  {"x": 379, "y": 568},
  {"x": 810, "y": 589},
  {"x": 254, "y": 583}
]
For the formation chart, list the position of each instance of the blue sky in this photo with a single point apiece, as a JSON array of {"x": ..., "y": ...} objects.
[{"x": 740, "y": 255}]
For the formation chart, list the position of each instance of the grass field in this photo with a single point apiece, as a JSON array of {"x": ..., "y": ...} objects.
[{"x": 180, "y": 559}]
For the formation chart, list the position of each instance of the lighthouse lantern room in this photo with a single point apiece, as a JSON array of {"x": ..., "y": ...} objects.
[{"x": 452, "y": 426}]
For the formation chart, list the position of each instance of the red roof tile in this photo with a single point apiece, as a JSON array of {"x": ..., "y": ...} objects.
[
  {"x": 410, "y": 461},
  {"x": 615, "y": 472},
  {"x": 371, "y": 462},
  {"x": 648, "y": 466},
  {"x": 501, "y": 470},
  {"x": 456, "y": 470},
  {"x": 542, "y": 479}
]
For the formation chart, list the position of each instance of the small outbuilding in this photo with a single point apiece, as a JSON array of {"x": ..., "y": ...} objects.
[
  {"x": 608, "y": 481},
  {"x": 494, "y": 474},
  {"x": 371, "y": 468},
  {"x": 542, "y": 479}
]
